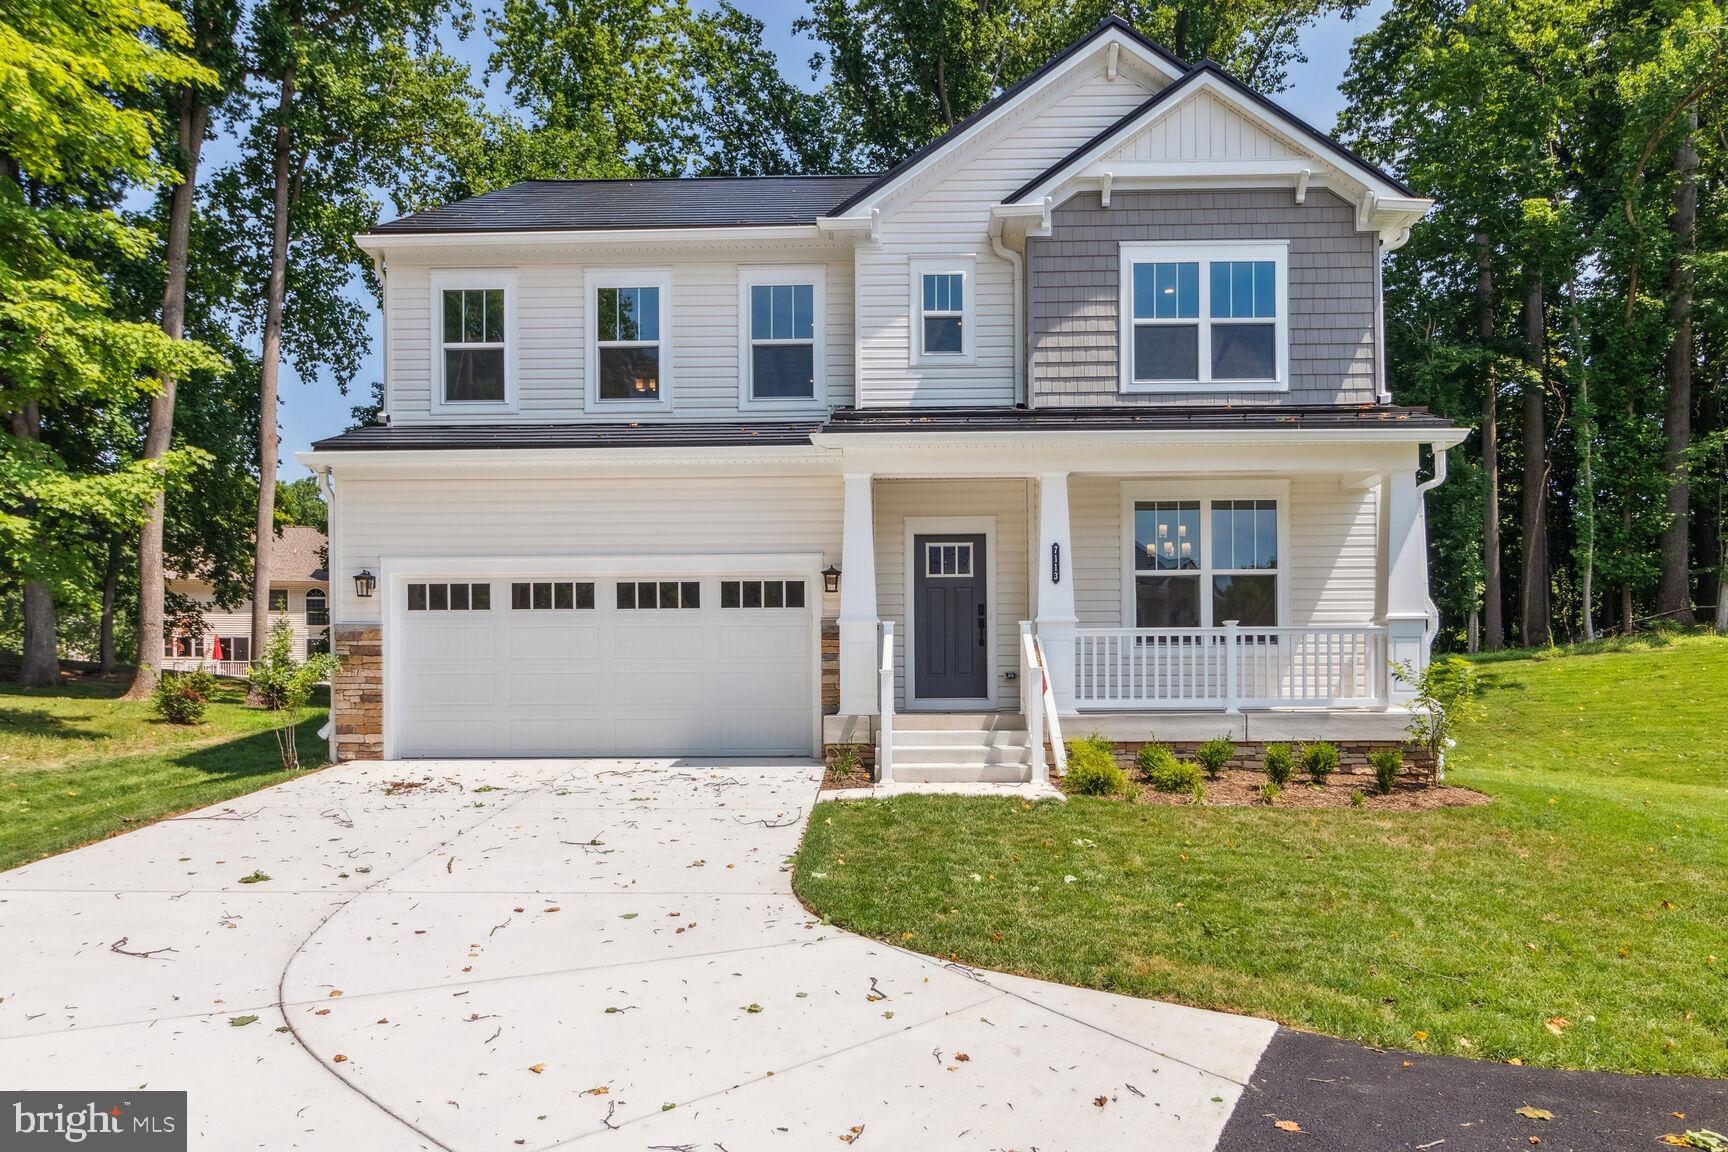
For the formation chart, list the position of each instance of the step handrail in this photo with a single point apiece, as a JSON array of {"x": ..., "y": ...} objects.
[
  {"x": 1058, "y": 749},
  {"x": 885, "y": 705},
  {"x": 1038, "y": 704}
]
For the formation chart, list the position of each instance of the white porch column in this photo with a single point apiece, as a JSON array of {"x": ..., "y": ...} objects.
[
  {"x": 1409, "y": 612},
  {"x": 858, "y": 622},
  {"x": 1053, "y": 574}
]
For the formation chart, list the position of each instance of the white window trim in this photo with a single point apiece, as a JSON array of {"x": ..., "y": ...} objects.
[
  {"x": 1206, "y": 492},
  {"x": 1277, "y": 251},
  {"x": 451, "y": 280},
  {"x": 815, "y": 275},
  {"x": 598, "y": 278},
  {"x": 966, "y": 266}
]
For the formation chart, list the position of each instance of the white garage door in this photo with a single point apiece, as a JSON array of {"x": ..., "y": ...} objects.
[{"x": 576, "y": 666}]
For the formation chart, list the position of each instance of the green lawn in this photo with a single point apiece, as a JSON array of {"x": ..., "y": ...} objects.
[
  {"x": 1579, "y": 921},
  {"x": 78, "y": 764}
]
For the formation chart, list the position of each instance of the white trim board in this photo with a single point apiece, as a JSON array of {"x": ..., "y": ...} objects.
[{"x": 958, "y": 525}]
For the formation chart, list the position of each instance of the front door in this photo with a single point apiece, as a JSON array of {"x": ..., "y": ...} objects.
[{"x": 950, "y": 621}]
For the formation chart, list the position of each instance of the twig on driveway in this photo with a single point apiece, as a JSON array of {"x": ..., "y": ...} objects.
[
  {"x": 120, "y": 947},
  {"x": 772, "y": 823},
  {"x": 495, "y": 927},
  {"x": 225, "y": 814}
]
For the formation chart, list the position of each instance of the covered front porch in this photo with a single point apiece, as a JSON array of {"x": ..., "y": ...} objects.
[{"x": 1137, "y": 583}]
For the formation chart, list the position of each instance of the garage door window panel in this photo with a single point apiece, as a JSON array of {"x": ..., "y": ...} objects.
[{"x": 448, "y": 597}]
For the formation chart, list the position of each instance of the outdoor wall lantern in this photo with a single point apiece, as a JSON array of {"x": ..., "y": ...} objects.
[
  {"x": 364, "y": 583},
  {"x": 831, "y": 579}
]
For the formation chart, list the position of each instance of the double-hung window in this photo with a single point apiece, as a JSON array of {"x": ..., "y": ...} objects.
[
  {"x": 1203, "y": 316},
  {"x": 472, "y": 314},
  {"x": 942, "y": 311},
  {"x": 1204, "y": 561},
  {"x": 629, "y": 349},
  {"x": 780, "y": 351}
]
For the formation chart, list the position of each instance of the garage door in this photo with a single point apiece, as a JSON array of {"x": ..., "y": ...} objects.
[{"x": 572, "y": 666}]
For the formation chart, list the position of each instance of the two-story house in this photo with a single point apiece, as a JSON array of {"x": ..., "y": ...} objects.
[
  {"x": 1087, "y": 394},
  {"x": 220, "y": 638}
]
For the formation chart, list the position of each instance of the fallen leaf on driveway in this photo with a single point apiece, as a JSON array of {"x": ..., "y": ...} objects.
[
  {"x": 335, "y": 992},
  {"x": 1534, "y": 1113},
  {"x": 339, "y": 1058},
  {"x": 536, "y": 1068},
  {"x": 753, "y": 1009},
  {"x": 1286, "y": 1125},
  {"x": 242, "y": 1021},
  {"x": 600, "y": 1091},
  {"x": 852, "y": 1134}
]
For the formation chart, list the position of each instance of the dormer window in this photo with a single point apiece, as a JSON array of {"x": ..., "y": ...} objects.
[
  {"x": 473, "y": 320},
  {"x": 629, "y": 345},
  {"x": 942, "y": 311},
  {"x": 1199, "y": 315}
]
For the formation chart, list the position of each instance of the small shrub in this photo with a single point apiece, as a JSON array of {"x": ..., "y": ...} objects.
[
  {"x": 1214, "y": 754},
  {"x": 1092, "y": 768},
  {"x": 1153, "y": 759},
  {"x": 1198, "y": 795},
  {"x": 1280, "y": 763},
  {"x": 285, "y": 684},
  {"x": 1388, "y": 762},
  {"x": 180, "y": 697},
  {"x": 1269, "y": 792},
  {"x": 1357, "y": 799},
  {"x": 1320, "y": 760},
  {"x": 1173, "y": 775},
  {"x": 844, "y": 759}
]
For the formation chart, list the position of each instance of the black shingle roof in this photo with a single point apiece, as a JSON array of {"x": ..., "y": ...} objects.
[
  {"x": 505, "y": 437},
  {"x": 580, "y": 205}
]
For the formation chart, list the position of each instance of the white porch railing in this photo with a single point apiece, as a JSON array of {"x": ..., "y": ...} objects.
[
  {"x": 236, "y": 668},
  {"x": 885, "y": 706},
  {"x": 1038, "y": 706},
  {"x": 1230, "y": 667}
]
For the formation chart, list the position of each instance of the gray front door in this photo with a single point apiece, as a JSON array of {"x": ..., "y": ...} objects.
[{"x": 950, "y": 618}]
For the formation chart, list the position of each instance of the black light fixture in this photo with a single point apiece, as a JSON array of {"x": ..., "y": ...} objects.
[
  {"x": 364, "y": 583},
  {"x": 831, "y": 579}
]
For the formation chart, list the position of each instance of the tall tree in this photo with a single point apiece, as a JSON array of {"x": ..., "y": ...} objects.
[
  {"x": 1674, "y": 587},
  {"x": 213, "y": 25},
  {"x": 74, "y": 134}
]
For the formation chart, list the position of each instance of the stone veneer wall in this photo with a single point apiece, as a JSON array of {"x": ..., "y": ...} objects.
[
  {"x": 357, "y": 696},
  {"x": 830, "y": 667}
]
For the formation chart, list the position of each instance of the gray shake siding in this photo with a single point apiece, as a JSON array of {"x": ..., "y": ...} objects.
[{"x": 1073, "y": 287}]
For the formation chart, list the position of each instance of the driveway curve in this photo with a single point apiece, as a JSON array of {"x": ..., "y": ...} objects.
[{"x": 547, "y": 954}]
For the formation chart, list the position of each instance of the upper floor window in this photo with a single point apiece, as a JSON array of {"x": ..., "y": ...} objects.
[
  {"x": 628, "y": 321},
  {"x": 942, "y": 306},
  {"x": 278, "y": 601},
  {"x": 1204, "y": 314},
  {"x": 473, "y": 324},
  {"x": 317, "y": 606},
  {"x": 780, "y": 348}
]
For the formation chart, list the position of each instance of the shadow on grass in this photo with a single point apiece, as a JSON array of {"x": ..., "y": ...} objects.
[
  {"x": 257, "y": 754},
  {"x": 40, "y": 722}
]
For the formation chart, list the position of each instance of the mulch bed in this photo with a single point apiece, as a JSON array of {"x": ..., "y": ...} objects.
[
  {"x": 1235, "y": 788},
  {"x": 861, "y": 776}
]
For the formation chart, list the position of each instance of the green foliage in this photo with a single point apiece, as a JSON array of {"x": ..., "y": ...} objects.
[
  {"x": 1092, "y": 768},
  {"x": 1387, "y": 762},
  {"x": 1280, "y": 763},
  {"x": 181, "y": 697},
  {"x": 285, "y": 683},
  {"x": 1151, "y": 757},
  {"x": 1445, "y": 698},
  {"x": 1357, "y": 800},
  {"x": 1172, "y": 775},
  {"x": 300, "y": 502},
  {"x": 1269, "y": 792},
  {"x": 1215, "y": 754},
  {"x": 1319, "y": 760}
]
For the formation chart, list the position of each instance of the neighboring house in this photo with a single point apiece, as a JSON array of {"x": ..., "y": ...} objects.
[
  {"x": 299, "y": 594},
  {"x": 1098, "y": 372}
]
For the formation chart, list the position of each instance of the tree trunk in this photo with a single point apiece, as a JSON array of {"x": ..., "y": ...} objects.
[
  {"x": 270, "y": 362},
  {"x": 1674, "y": 588},
  {"x": 1586, "y": 496},
  {"x": 1536, "y": 627},
  {"x": 110, "y": 586},
  {"x": 41, "y": 662},
  {"x": 1493, "y": 625},
  {"x": 194, "y": 117}
]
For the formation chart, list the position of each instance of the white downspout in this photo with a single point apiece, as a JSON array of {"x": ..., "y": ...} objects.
[
  {"x": 1019, "y": 270},
  {"x": 1382, "y": 390}
]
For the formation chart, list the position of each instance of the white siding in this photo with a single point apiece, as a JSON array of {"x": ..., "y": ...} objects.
[
  {"x": 1006, "y": 500},
  {"x": 487, "y": 516},
  {"x": 1202, "y": 127},
  {"x": 551, "y": 342},
  {"x": 239, "y": 621},
  {"x": 948, "y": 213},
  {"x": 1333, "y": 568}
]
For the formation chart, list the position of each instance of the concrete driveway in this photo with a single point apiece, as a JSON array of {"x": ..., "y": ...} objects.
[{"x": 608, "y": 954}]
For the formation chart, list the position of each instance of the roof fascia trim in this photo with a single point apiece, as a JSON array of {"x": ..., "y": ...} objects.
[{"x": 373, "y": 242}]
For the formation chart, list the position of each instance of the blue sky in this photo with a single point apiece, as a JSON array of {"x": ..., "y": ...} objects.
[{"x": 312, "y": 409}]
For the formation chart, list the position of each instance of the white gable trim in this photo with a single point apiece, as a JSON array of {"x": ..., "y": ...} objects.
[
  {"x": 1381, "y": 205},
  {"x": 1113, "y": 48}
]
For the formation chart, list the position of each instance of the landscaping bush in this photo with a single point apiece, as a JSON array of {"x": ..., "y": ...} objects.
[
  {"x": 1214, "y": 754},
  {"x": 285, "y": 684},
  {"x": 1357, "y": 799},
  {"x": 1092, "y": 768},
  {"x": 1319, "y": 760},
  {"x": 1153, "y": 758},
  {"x": 1173, "y": 775},
  {"x": 180, "y": 697},
  {"x": 1269, "y": 792},
  {"x": 1280, "y": 763},
  {"x": 1388, "y": 762}
]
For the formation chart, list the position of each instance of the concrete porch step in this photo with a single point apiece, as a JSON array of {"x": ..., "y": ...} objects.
[
  {"x": 960, "y": 737},
  {"x": 959, "y": 754},
  {"x": 927, "y": 773},
  {"x": 959, "y": 722}
]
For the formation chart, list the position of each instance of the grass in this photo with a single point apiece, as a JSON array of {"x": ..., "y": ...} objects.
[
  {"x": 78, "y": 764},
  {"x": 1579, "y": 921}
]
